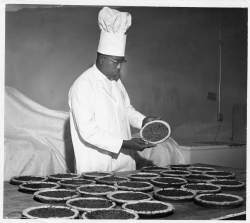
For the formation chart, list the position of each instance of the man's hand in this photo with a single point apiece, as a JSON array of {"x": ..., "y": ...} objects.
[
  {"x": 149, "y": 119},
  {"x": 136, "y": 144}
]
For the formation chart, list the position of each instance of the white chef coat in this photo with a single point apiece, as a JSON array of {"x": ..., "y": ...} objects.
[{"x": 100, "y": 119}]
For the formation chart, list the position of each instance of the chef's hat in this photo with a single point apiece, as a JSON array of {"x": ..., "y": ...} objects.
[{"x": 113, "y": 25}]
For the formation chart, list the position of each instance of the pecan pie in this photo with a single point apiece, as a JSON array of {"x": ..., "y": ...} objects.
[
  {"x": 134, "y": 186},
  {"x": 55, "y": 195},
  {"x": 50, "y": 212},
  {"x": 110, "y": 214},
  {"x": 219, "y": 200},
  {"x": 174, "y": 194},
  {"x": 63, "y": 176},
  {"x": 155, "y": 132},
  {"x": 228, "y": 184},
  {"x": 89, "y": 204},
  {"x": 17, "y": 180},
  {"x": 122, "y": 197},
  {"x": 150, "y": 209},
  {"x": 74, "y": 183},
  {"x": 202, "y": 188},
  {"x": 168, "y": 182},
  {"x": 33, "y": 186},
  {"x": 95, "y": 190}
]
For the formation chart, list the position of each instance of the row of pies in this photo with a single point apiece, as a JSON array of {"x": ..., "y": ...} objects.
[{"x": 96, "y": 195}]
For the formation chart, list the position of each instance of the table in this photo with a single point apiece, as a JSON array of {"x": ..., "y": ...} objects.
[{"x": 15, "y": 202}]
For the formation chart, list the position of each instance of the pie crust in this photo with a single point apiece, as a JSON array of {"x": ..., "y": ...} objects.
[
  {"x": 159, "y": 135},
  {"x": 39, "y": 195},
  {"x": 185, "y": 194},
  {"x": 175, "y": 173},
  {"x": 63, "y": 176},
  {"x": 221, "y": 174},
  {"x": 33, "y": 186},
  {"x": 133, "y": 196},
  {"x": 90, "y": 204},
  {"x": 85, "y": 191},
  {"x": 110, "y": 180},
  {"x": 199, "y": 169},
  {"x": 17, "y": 180},
  {"x": 228, "y": 184},
  {"x": 96, "y": 174},
  {"x": 199, "y": 178},
  {"x": 179, "y": 166},
  {"x": 150, "y": 209},
  {"x": 165, "y": 182},
  {"x": 74, "y": 183},
  {"x": 140, "y": 176},
  {"x": 134, "y": 186},
  {"x": 110, "y": 212},
  {"x": 202, "y": 188},
  {"x": 237, "y": 202},
  {"x": 27, "y": 212},
  {"x": 154, "y": 169}
]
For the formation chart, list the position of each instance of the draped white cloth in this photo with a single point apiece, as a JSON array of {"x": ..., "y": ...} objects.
[{"x": 37, "y": 140}]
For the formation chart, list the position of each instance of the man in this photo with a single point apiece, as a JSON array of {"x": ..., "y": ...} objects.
[{"x": 100, "y": 109}]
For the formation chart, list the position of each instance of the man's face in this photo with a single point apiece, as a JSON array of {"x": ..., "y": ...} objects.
[{"x": 112, "y": 67}]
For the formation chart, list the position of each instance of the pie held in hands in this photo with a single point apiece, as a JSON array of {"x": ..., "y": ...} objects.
[
  {"x": 110, "y": 214},
  {"x": 219, "y": 200},
  {"x": 174, "y": 194},
  {"x": 122, "y": 197},
  {"x": 55, "y": 195},
  {"x": 17, "y": 180},
  {"x": 150, "y": 209},
  {"x": 33, "y": 186},
  {"x": 134, "y": 186},
  {"x": 50, "y": 212},
  {"x": 155, "y": 132}
]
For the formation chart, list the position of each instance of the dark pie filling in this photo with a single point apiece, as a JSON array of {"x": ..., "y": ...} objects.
[
  {"x": 130, "y": 196},
  {"x": 112, "y": 179},
  {"x": 91, "y": 203},
  {"x": 174, "y": 193},
  {"x": 58, "y": 194},
  {"x": 109, "y": 214},
  {"x": 99, "y": 189},
  {"x": 200, "y": 169},
  {"x": 168, "y": 180},
  {"x": 133, "y": 184},
  {"x": 218, "y": 198},
  {"x": 76, "y": 182},
  {"x": 147, "y": 206},
  {"x": 155, "y": 132},
  {"x": 143, "y": 175},
  {"x": 199, "y": 177},
  {"x": 200, "y": 187},
  {"x": 96, "y": 174},
  {"x": 176, "y": 172},
  {"x": 229, "y": 182},
  {"x": 51, "y": 212},
  {"x": 64, "y": 175},
  {"x": 29, "y": 178},
  {"x": 219, "y": 173},
  {"x": 41, "y": 185}
]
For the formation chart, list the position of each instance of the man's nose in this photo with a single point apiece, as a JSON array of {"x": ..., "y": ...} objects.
[{"x": 119, "y": 66}]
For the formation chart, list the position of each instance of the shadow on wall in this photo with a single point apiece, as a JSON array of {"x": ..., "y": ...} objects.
[{"x": 69, "y": 149}]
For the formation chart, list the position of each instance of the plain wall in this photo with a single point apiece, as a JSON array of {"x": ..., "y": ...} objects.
[{"x": 173, "y": 59}]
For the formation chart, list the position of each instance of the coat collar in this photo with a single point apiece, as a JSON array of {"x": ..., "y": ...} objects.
[{"x": 98, "y": 74}]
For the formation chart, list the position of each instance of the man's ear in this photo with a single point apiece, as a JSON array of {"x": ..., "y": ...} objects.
[{"x": 101, "y": 59}]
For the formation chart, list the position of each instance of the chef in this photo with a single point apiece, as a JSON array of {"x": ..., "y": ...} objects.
[{"x": 100, "y": 109}]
